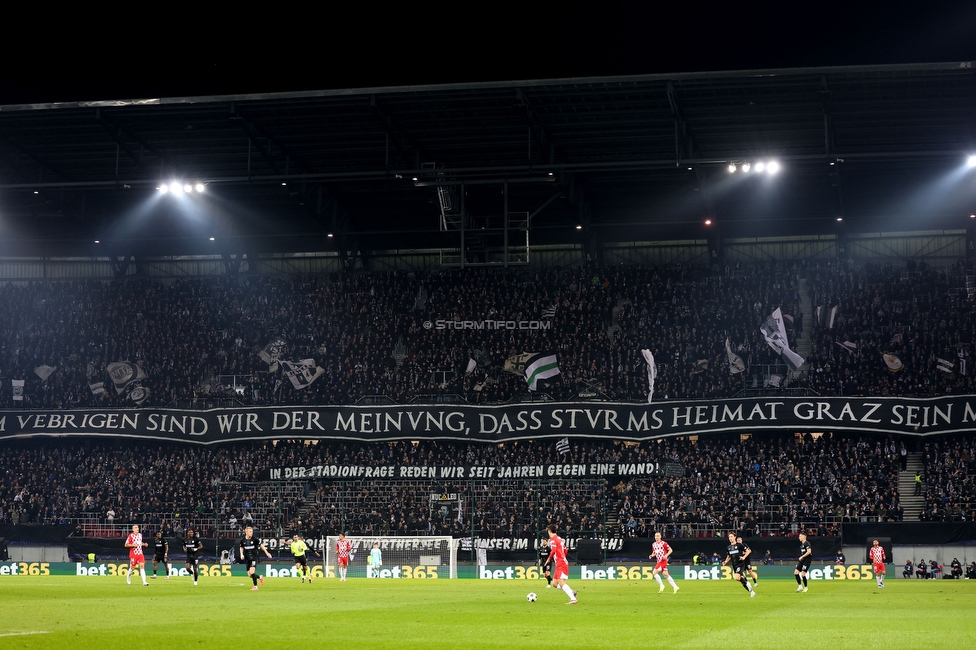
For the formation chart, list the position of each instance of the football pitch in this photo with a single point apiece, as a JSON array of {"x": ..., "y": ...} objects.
[{"x": 68, "y": 612}]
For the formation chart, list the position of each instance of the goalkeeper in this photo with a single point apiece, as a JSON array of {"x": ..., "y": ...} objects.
[{"x": 374, "y": 562}]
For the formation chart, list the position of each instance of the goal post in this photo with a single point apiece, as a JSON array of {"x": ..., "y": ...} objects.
[{"x": 401, "y": 557}]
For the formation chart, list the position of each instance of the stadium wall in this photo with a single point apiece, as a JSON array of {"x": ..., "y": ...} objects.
[{"x": 942, "y": 247}]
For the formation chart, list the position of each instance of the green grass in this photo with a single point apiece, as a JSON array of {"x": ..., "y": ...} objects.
[{"x": 105, "y": 613}]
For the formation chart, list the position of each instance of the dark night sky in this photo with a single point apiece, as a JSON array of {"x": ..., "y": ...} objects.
[{"x": 216, "y": 54}]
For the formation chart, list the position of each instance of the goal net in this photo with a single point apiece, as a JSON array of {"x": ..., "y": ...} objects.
[{"x": 400, "y": 557}]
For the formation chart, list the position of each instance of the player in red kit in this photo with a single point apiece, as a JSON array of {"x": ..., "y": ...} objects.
[
  {"x": 661, "y": 550},
  {"x": 343, "y": 546},
  {"x": 137, "y": 559},
  {"x": 877, "y": 554},
  {"x": 560, "y": 572}
]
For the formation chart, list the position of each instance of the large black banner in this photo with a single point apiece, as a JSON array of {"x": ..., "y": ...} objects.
[
  {"x": 465, "y": 472},
  {"x": 907, "y": 416}
]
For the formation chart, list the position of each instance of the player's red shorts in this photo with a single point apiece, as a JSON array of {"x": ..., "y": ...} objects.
[
  {"x": 662, "y": 565},
  {"x": 879, "y": 568},
  {"x": 561, "y": 572},
  {"x": 343, "y": 562},
  {"x": 137, "y": 559}
]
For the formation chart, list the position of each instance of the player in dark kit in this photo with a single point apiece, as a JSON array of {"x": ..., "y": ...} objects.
[
  {"x": 738, "y": 555},
  {"x": 751, "y": 570},
  {"x": 545, "y": 562},
  {"x": 249, "y": 555},
  {"x": 803, "y": 564},
  {"x": 192, "y": 545},
  {"x": 160, "y": 554}
]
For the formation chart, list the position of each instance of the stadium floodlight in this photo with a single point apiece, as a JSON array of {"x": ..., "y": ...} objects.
[
  {"x": 772, "y": 167},
  {"x": 746, "y": 167},
  {"x": 163, "y": 189},
  {"x": 971, "y": 161},
  {"x": 200, "y": 187},
  {"x": 760, "y": 166},
  {"x": 175, "y": 188},
  {"x": 402, "y": 557},
  {"x": 187, "y": 188},
  {"x": 731, "y": 168}
]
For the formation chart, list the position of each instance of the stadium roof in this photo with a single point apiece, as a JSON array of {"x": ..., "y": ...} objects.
[{"x": 627, "y": 158}]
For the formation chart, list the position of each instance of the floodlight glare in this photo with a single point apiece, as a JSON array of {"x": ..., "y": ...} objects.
[
  {"x": 199, "y": 187},
  {"x": 731, "y": 168},
  {"x": 175, "y": 188},
  {"x": 971, "y": 161},
  {"x": 772, "y": 167},
  {"x": 163, "y": 189},
  {"x": 760, "y": 166},
  {"x": 746, "y": 167}
]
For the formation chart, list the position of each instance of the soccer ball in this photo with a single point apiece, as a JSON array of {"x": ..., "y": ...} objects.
[{"x": 531, "y": 597}]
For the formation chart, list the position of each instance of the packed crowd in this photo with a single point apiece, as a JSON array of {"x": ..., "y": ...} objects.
[
  {"x": 769, "y": 484},
  {"x": 950, "y": 479},
  {"x": 401, "y": 335},
  {"x": 921, "y": 318}
]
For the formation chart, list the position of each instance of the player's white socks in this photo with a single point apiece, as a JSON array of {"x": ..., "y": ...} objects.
[
  {"x": 128, "y": 577},
  {"x": 657, "y": 576},
  {"x": 569, "y": 592},
  {"x": 142, "y": 574},
  {"x": 671, "y": 582}
]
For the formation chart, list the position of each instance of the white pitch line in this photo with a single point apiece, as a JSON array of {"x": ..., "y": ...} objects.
[{"x": 24, "y": 633}]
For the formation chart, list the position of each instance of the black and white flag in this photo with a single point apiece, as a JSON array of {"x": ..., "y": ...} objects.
[
  {"x": 139, "y": 394},
  {"x": 271, "y": 353},
  {"x": 44, "y": 371},
  {"x": 736, "y": 365},
  {"x": 651, "y": 373},
  {"x": 945, "y": 365},
  {"x": 775, "y": 334},
  {"x": 97, "y": 388},
  {"x": 894, "y": 363},
  {"x": 18, "y": 387},
  {"x": 124, "y": 373},
  {"x": 301, "y": 373},
  {"x": 562, "y": 446}
]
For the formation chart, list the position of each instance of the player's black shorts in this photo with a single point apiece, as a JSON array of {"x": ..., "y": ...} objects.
[
  {"x": 250, "y": 562},
  {"x": 804, "y": 564},
  {"x": 739, "y": 568},
  {"x": 301, "y": 559},
  {"x": 159, "y": 558},
  {"x": 191, "y": 558}
]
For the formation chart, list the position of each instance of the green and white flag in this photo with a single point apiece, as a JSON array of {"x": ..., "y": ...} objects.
[{"x": 540, "y": 366}]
